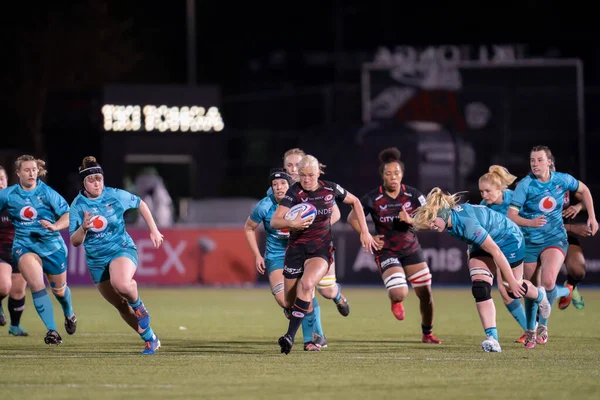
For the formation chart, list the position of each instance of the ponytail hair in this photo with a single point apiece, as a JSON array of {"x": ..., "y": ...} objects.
[
  {"x": 552, "y": 164},
  {"x": 88, "y": 162},
  {"x": 89, "y": 166},
  {"x": 437, "y": 204},
  {"x": 498, "y": 176}
]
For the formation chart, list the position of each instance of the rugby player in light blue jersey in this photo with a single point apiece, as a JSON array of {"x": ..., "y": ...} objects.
[
  {"x": 276, "y": 243},
  {"x": 38, "y": 213},
  {"x": 97, "y": 222},
  {"x": 537, "y": 206},
  {"x": 496, "y": 245},
  {"x": 493, "y": 186}
]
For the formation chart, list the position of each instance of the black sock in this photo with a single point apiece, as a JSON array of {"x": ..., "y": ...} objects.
[
  {"x": 572, "y": 281},
  {"x": 15, "y": 308},
  {"x": 427, "y": 329},
  {"x": 299, "y": 309}
]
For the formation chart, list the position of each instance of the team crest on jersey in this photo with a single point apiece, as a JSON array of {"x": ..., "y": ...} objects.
[
  {"x": 328, "y": 197},
  {"x": 547, "y": 204},
  {"x": 99, "y": 223},
  {"x": 28, "y": 213}
]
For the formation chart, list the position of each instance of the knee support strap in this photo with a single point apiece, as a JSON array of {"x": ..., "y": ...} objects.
[
  {"x": 420, "y": 278},
  {"x": 326, "y": 282},
  {"x": 395, "y": 280},
  {"x": 277, "y": 288},
  {"x": 482, "y": 291},
  {"x": 480, "y": 271},
  {"x": 58, "y": 291}
]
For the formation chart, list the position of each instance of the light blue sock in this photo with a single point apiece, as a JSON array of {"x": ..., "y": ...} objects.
[
  {"x": 141, "y": 313},
  {"x": 136, "y": 304},
  {"x": 562, "y": 291},
  {"x": 147, "y": 335},
  {"x": 307, "y": 326},
  {"x": 531, "y": 309},
  {"x": 65, "y": 301},
  {"x": 540, "y": 297},
  {"x": 317, "y": 327},
  {"x": 552, "y": 294},
  {"x": 337, "y": 298},
  {"x": 518, "y": 312},
  {"x": 493, "y": 332},
  {"x": 43, "y": 306}
]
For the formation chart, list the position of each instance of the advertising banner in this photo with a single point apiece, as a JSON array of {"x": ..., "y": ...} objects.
[
  {"x": 222, "y": 257},
  {"x": 187, "y": 256}
]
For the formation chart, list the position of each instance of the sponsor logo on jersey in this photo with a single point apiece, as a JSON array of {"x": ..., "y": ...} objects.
[
  {"x": 547, "y": 204},
  {"x": 99, "y": 224},
  {"x": 28, "y": 213}
]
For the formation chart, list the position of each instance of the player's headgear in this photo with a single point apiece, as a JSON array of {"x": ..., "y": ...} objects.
[
  {"x": 279, "y": 173},
  {"x": 90, "y": 167},
  {"x": 444, "y": 214}
]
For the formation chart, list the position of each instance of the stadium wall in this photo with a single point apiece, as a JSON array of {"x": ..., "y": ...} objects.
[{"x": 220, "y": 257}]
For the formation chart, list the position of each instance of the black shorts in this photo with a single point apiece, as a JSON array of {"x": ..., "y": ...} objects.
[
  {"x": 573, "y": 240},
  {"x": 7, "y": 259},
  {"x": 295, "y": 257},
  {"x": 483, "y": 253},
  {"x": 388, "y": 259}
]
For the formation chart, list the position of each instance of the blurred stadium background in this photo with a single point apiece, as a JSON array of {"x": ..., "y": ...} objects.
[{"x": 180, "y": 108}]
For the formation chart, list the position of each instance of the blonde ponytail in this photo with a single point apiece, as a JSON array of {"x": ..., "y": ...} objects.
[{"x": 436, "y": 205}]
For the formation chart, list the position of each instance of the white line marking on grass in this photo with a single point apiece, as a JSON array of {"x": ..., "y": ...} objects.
[
  {"x": 132, "y": 334},
  {"x": 453, "y": 359},
  {"x": 379, "y": 358},
  {"x": 84, "y": 385},
  {"x": 51, "y": 355}
]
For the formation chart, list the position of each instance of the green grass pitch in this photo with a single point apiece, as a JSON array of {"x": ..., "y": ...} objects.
[{"x": 222, "y": 344}]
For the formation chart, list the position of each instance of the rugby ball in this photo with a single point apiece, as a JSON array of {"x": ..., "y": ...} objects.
[{"x": 306, "y": 210}]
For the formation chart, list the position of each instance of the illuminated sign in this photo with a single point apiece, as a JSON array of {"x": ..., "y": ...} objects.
[{"x": 151, "y": 118}]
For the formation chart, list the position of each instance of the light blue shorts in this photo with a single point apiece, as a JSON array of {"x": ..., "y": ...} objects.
[
  {"x": 533, "y": 251},
  {"x": 274, "y": 264},
  {"x": 102, "y": 273},
  {"x": 52, "y": 264}
]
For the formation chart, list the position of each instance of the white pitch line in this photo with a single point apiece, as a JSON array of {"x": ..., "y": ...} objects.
[
  {"x": 84, "y": 385},
  {"x": 379, "y": 358},
  {"x": 454, "y": 359},
  {"x": 51, "y": 355}
]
